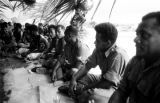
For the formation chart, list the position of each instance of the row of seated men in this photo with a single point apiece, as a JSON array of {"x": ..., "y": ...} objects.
[
  {"x": 135, "y": 82},
  {"x": 35, "y": 38}
]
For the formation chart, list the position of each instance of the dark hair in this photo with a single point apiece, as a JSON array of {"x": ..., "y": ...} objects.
[
  {"x": 108, "y": 31},
  {"x": 18, "y": 25},
  {"x": 51, "y": 26},
  {"x": 9, "y": 24},
  {"x": 152, "y": 15},
  {"x": 70, "y": 29},
  {"x": 61, "y": 26},
  {"x": 40, "y": 24},
  {"x": 27, "y": 24},
  {"x": 33, "y": 27},
  {"x": 4, "y": 25}
]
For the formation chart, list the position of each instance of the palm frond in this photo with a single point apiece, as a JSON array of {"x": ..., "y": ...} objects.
[
  {"x": 54, "y": 8},
  {"x": 14, "y": 6},
  {"x": 5, "y": 4},
  {"x": 3, "y": 16},
  {"x": 22, "y": 4}
]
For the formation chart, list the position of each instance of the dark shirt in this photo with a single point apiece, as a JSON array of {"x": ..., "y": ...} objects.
[
  {"x": 38, "y": 43},
  {"x": 140, "y": 84},
  {"x": 112, "y": 63},
  {"x": 26, "y": 37},
  {"x": 52, "y": 44},
  {"x": 59, "y": 46},
  {"x": 17, "y": 35}
]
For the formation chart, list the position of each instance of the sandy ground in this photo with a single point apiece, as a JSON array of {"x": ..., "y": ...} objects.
[{"x": 17, "y": 85}]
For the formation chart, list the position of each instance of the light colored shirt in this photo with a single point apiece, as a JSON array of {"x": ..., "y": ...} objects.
[{"x": 112, "y": 63}]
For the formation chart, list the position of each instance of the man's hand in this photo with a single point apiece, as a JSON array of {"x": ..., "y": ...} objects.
[{"x": 72, "y": 87}]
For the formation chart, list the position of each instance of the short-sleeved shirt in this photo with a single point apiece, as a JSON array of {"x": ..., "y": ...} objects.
[
  {"x": 78, "y": 52},
  {"x": 140, "y": 84},
  {"x": 112, "y": 63}
]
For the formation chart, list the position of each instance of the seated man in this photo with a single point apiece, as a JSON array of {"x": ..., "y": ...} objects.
[
  {"x": 25, "y": 36},
  {"x": 111, "y": 59},
  {"x": 24, "y": 43},
  {"x": 40, "y": 29},
  {"x": 58, "y": 44},
  {"x": 57, "y": 40},
  {"x": 37, "y": 42},
  {"x": 75, "y": 54},
  {"x": 8, "y": 39},
  {"x": 17, "y": 32},
  {"x": 51, "y": 39},
  {"x": 141, "y": 81}
]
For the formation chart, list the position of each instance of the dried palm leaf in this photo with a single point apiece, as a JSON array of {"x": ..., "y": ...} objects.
[
  {"x": 5, "y": 4},
  {"x": 54, "y": 8},
  {"x": 27, "y": 2},
  {"x": 23, "y": 4}
]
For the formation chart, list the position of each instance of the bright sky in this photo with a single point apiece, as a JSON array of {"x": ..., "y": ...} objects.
[{"x": 126, "y": 11}]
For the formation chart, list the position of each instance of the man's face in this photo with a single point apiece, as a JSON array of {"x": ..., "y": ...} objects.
[
  {"x": 148, "y": 39},
  {"x": 70, "y": 37},
  {"x": 60, "y": 32},
  {"x": 100, "y": 45},
  {"x": 52, "y": 32}
]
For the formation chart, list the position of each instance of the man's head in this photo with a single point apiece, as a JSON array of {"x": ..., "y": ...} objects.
[
  {"x": 71, "y": 34},
  {"x": 52, "y": 31},
  {"x": 9, "y": 24},
  {"x": 60, "y": 31},
  {"x": 148, "y": 36},
  {"x": 34, "y": 30},
  {"x": 18, "y": 27},
  {"x": 27, "y": 25},
  {"x": 106, "y": 35},
  {"x": 40, "y": 25},
  {"x": 4, "y": 26}
]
